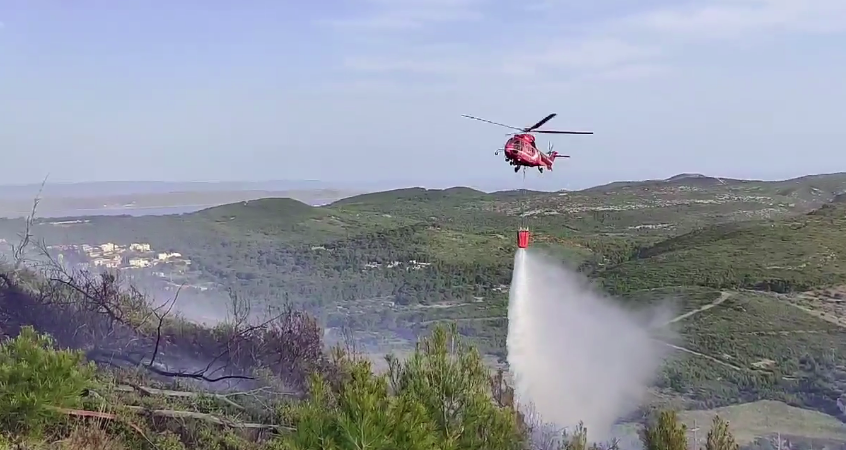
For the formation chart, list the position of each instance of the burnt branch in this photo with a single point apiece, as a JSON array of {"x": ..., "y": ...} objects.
[
  {"x": 237, "y": 335},
  {"x": 5, "y": 278},
  {"x": 225, "y": 398},
  {"x": 172, "y": 414},
  {"x": 197, "y": 375},
  {"x": 101, "y": 357},
  {"x": 161, "y": 318},
  {"x": 114, "y": 323}
]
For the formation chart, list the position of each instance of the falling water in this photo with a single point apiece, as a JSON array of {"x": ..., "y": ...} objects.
[{"x": 575, "y": 355}]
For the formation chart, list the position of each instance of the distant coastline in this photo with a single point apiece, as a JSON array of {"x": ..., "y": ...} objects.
[
  {"x": 155, "y": 204},
  {"x": 135, "y": 211}
]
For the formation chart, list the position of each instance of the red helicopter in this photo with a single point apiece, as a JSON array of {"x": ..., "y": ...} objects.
[{"x": 520, "y": 150}]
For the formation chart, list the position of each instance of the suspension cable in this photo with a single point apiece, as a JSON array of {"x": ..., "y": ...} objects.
[{"x": 524, "y": 203}]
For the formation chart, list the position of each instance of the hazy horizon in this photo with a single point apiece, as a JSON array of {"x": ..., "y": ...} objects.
[{"x": 162, "y": 186}]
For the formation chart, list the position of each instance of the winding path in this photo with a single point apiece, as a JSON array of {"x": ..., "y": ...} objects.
[
  {"x": 724, "y": 295},
  {"x": 462, "y": 319},
  {"x": 702, "y": 355}
]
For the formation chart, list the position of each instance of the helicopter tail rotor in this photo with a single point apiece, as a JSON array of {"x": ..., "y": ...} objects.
[{"x": 553, "y": 154}]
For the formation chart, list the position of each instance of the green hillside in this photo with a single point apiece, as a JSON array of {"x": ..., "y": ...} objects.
[
  {"x": 391, "y": 265},
  {"x": 455, "y": 196},
  {"x": 787, "y": 255}
]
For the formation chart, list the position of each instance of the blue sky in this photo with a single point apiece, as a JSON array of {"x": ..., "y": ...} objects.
[{"x": 347, "y": 90}]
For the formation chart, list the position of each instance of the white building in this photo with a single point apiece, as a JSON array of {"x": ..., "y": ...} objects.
[
  {"x": 139, "y": 262},
  {"x": 108, "y": 247},
  {"x": 112, "y": 262},
  {"x": 140, "y": 248}
]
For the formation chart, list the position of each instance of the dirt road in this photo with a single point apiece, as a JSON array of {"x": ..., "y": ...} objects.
[{"x": 724, "y": 295}]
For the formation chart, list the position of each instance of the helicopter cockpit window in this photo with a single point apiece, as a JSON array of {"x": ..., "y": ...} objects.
[{"x": 517, "y": 144}]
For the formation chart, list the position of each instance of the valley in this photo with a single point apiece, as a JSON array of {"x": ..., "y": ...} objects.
[{"x": 754, "y": 269}]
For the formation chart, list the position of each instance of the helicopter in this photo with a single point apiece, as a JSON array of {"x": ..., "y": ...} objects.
[{"x": 520, "y": 149}]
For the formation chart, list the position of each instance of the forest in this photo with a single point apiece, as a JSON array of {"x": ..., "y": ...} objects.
[{"x": 266, "y": 386}]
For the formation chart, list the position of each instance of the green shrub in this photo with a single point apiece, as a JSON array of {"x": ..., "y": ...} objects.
[
  {"x": 438, "y": 399},
  {"x": 35, "y": 379},
  {"x": 666, "y": 432}
]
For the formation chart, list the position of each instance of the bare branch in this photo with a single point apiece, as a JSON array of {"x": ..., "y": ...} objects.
[
  {"x": 98, "y": 415},
  {"x": 161, "y": 318},
  {"x": 172, "y": 414},
  {"x": 200, "y": 375},
  {"x": 19, "y": 250},
  {"x": 226, "y": 398},
  {"x": 114, "y": 325},
  {"x": 205, "y": 417},
  {"x": 238, "y": 335},
  {"x": 239, "y": 308}
]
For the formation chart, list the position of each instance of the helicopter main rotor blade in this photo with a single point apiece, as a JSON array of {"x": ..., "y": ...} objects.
[
  {"x": 492, "y": 122},
  {"x": 540, "y": 124},
  {"x": 562, "y": 132}
]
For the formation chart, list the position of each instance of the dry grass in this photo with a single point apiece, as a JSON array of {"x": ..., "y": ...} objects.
[
  {"x": 749, "y": 421},
  {"x": 765, "y": 418},
  {"x": 89, "y": 438},
  {"x": 86, "y": 435},
  {"x": 826, "y": 303}
]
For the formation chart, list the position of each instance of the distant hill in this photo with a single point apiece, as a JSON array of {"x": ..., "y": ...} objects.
[
  {"x": 263, "y": 208},
  {"x": 687, "y": 176},
  {"x": 417, "y": 194},
  {"x": 704, "y": 180},
  {"x": 826, "y": 182},
  {"x": 787, "y": 255}
]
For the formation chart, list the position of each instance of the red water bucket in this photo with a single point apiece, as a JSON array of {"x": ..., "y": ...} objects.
[{"x": 523, "y": 238}]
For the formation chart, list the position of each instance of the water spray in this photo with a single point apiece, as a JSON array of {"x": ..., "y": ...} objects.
[{"x": 574, "y": 355}]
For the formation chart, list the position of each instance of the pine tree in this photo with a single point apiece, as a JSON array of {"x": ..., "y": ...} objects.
[
  {"x": 578, "y": 439},
  {"x": 35, "y": 378},
  {"x": 439, "y": 399},
  {"x": 720, "y": 437},
  {"x": 666, "y": 433}
]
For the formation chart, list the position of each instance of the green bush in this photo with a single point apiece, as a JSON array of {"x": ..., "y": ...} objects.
[
  {"x": 35, "y": 379},
  {"x": 665, "y": 433},
  {"x": 437, "y": 399}
]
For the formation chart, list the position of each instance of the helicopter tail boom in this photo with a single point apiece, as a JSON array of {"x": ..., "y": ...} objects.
[{"x": 554, "y": 155}]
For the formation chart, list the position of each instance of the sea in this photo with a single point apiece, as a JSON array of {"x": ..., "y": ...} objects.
[
  {"x": 130, "y": 211},
  {"x": 144, "y": 211}
]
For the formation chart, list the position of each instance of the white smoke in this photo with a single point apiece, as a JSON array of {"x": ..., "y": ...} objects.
[{"x": 574, "y": 355}]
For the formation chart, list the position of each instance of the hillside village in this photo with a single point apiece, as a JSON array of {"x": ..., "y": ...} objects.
[
  {"x": 138, "y": 259},
  {"x": 115, "y": 256}
]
